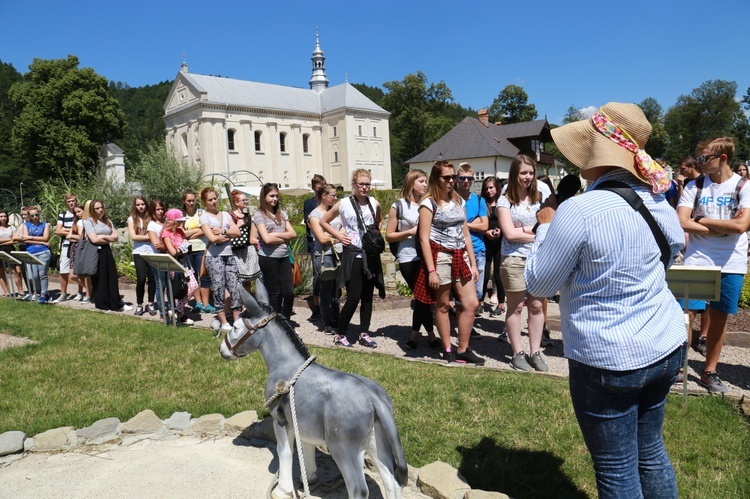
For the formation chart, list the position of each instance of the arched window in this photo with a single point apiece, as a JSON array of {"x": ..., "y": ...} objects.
[
  {"x": 258, "y": 148},
  {"x": 282, "y": 141},
  {"x": 305, "y": 143},
  {"x": 230, "y": 139},
  {"x": 184, "y": 144}
]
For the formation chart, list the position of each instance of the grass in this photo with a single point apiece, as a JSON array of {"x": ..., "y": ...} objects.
[{"x": 510, "y": 432}]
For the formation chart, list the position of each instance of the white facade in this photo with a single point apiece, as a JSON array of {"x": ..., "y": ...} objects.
[{"x": 279, "y": 134}]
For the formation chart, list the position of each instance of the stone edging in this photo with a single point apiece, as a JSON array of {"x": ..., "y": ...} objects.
[{"x": 436, "y": 480}]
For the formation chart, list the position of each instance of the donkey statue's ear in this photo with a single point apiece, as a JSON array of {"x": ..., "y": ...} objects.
[
  {"x": 250, "y": 304},
  {"x": 260, "y": 293}
]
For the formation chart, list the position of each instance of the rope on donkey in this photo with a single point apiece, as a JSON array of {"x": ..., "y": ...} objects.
[{"x": 282, "y": 388}]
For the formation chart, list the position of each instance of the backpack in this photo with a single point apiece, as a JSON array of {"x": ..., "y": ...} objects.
[
  {"x": 735, "y": 195},
  {"x": 399, "y": 211}
]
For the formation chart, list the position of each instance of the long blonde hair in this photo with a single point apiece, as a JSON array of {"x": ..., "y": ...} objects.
[{"x": 513, "y": 191}]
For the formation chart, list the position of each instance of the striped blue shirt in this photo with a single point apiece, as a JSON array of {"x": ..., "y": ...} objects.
[{"x": 616, "y": 310}]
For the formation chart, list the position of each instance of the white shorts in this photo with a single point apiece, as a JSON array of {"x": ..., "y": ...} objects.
[{"x": 64, "y": 260}]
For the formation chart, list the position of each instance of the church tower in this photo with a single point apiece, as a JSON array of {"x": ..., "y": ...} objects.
[{"x": 319, "y": 80}]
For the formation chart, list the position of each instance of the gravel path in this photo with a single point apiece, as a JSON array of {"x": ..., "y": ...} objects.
[{"x": 391, "y": 322}]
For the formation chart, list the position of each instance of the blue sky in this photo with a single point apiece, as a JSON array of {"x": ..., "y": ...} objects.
[{"x": 563, "y": 53}]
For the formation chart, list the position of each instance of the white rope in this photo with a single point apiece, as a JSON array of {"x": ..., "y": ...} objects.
[{"x": 282, "y": 388}]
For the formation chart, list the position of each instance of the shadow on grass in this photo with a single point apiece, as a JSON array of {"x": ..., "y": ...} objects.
[{"x": 515, "y": 472}]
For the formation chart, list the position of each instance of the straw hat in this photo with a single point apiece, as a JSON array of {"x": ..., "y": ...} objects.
[{"x": 586, "y": 147}]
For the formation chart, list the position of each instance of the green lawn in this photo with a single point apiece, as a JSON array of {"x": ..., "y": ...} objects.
[{"x": 504, "y": 431}]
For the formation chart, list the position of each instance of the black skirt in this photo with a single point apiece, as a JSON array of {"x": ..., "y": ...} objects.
[{"x": 106, "y": 288}]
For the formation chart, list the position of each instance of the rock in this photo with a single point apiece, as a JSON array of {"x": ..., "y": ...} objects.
[
  {"x": 143, "y": 422},
  {"x": 54, "y": 439},
  {"x": 11, "y": 442},
  {"x": 745, "y": 405},
  {"x": 239, "y": 424},
  {"x": 104, "y": 430},
  {"x": 28, "y": 445},
  {"x": 180, "y": 421},
  {"x": 208, "y": 424},
  {"x": 442, "y": 481},
  {"x": 483, "y": 494}
]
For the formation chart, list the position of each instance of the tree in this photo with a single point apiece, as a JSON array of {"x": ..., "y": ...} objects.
[
  {"x": 657, "y": 141},
  {"x": 11, "y": 169},
  {"x": 572, "y": 115},
  {"x": 417, "y": 117},
  {"x": 511, "y": 106},
  {"x": 709, "y": 111},
  {"x": 161, "y": 175},
  {"x": 66, "y": 114}
]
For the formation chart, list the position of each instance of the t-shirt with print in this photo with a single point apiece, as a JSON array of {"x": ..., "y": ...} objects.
[
  {"x": 272, "y": 225},
  {"x": 317, "y": 247},
  {"x": 217, "y": 222},
  {"x": 475, "y": 207},
  {"x": 522, "y": 215},
  {"x": 198, "y": 243},
  {"x": 351, "y": 222},
  {"x": 407, "y": 251},
  {"x": 141, "y": 247},
  {"x": 447, "y": 223},
  {"x": 728, "y": 251}
]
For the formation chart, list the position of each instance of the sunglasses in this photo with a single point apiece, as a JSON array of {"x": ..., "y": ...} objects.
[
  {"x": 448, "y": 178},
  {"x": 35, "y": 215},
  {"x": 706, "y": 157},
  {"x": 466, "y": 179}
]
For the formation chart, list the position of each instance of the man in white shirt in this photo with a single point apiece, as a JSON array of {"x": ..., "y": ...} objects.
[
  {"x": 715, "y": 211},
  {"x": 62, "y": 229}
]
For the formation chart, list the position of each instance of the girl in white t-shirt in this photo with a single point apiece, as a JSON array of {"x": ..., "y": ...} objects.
[
  {"x": 156, "y": 210},
  {"x": 137, "y": 231},
  {"x": 517, "y": 207}
]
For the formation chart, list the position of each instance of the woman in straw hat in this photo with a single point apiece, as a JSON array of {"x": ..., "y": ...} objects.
[{"x": 622, "y": 328}]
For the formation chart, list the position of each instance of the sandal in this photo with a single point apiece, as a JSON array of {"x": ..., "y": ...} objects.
[{"x": 411, "y": 345}]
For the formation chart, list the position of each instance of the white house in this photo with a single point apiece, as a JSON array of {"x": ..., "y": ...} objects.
[{"x": 256, "y": 132}]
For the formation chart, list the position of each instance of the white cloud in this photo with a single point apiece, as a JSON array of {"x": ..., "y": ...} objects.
[{"x": 589, "y": 111}]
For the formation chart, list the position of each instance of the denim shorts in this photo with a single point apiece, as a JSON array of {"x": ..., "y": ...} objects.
[{"x": 731, "y": 288}]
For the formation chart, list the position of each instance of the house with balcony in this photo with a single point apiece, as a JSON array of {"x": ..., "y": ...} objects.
[{"x": 490, "y": 147}]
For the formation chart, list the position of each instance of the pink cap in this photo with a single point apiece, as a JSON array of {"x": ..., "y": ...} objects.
[{"x": 174, "y": 215}]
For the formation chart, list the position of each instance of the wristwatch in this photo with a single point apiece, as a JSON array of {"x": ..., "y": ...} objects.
[
  {"x": 698, "y": 218},
  {"x": 533, "y": 229}
]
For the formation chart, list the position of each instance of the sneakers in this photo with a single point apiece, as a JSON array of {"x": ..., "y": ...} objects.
[
  {"x": 152, "y": 308},
  {"x": 226, "y": 327},
  {"x": 78, "y": 297},
  {"x": 209, "y": 309},
  {"x": 316, "y": 314},
  {"x": 125, "y": 308},
  {"x": 86, "y": 300},
  {"x": 435, "y": 343},
  {"x": 449, "y": 356},
  {"x": 138, "y": 310},
  {"x": 701, "y": 346},
  {"x": 519, "y": 362},
  {"x": 43, "y": 300},
  {"x": 341, "y": 341},
  {"x": 498, "y": 312},
  {"x": 329, "y": 330},
  {"x": 469, "y": 357},
  {"x": 537, "y": 362},
  {"x": 185, "y": 321},
  {"x": 366, "y": 341},
  {"x": 547, "y": 341},
  {"x": 503, "y": 337},
  {"x": 475, "y": 334},
  {"x": 63, "y": 297},
  {"x": 712, "y": 382}
]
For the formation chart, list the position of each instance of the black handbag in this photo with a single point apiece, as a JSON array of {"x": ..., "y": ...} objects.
[
  {"x": 180, "y": 283},
  {"x": 372, "y": 240}
]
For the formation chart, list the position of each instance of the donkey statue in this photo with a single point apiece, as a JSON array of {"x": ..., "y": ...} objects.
[{"x": 348, "y": 413}]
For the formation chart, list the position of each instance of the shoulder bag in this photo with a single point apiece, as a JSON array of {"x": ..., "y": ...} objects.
[
  {"x": 87, "y": 257},
  {"x": 372, "y": 240},
  {"x": 329, "y": 267}
]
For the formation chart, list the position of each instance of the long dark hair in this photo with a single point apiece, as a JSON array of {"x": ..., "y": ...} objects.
[
  {"x": 152, "y": 209},
  {"x": 485, "y": 183},
  {"x": 433, "y": 184},
  {"x": 140, "y": 229},
  {"x": 270, "y": 211}
]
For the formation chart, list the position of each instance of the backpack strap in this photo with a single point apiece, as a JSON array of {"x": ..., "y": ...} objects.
[
  {"x": 399, "y": 213},
  {"x": 358, "y": 212},
  {"x": 696, "y": 202},
  {"x": 634, "y": 200}
]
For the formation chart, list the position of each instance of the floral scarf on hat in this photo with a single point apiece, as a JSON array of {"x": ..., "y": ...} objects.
[{"x": 648, "y": 168}]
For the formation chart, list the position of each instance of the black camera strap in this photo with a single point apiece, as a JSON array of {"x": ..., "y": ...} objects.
[{"x": 634, "y": 200}]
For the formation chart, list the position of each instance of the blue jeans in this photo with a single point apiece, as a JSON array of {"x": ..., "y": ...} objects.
[
  {"x": 481, "y": 259},
  {"x": 38, "y": 273},
  {"x": 160, "y": 289},
  {"x": 621, "y": 414}
]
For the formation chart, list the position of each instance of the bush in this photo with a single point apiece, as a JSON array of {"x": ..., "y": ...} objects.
[{"x": 745, "y": 295}]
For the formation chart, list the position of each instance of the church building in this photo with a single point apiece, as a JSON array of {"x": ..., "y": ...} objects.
[{"x": 252, "y": 133}]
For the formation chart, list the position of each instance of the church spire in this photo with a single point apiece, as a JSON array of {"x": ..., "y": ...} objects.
[{"x": 319, "y": 81}]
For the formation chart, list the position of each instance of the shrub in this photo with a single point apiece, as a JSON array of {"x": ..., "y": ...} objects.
[{"x": 745, "y": 295}]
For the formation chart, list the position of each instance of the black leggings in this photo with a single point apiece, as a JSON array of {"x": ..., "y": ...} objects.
[
  {"x": 422, "y": 315},
  {"x": 277, "y": 277},
  {"x": 357, "y": 289},
  {"x": 493, "y": 255},
  {"x": 143, "y": 273}
]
